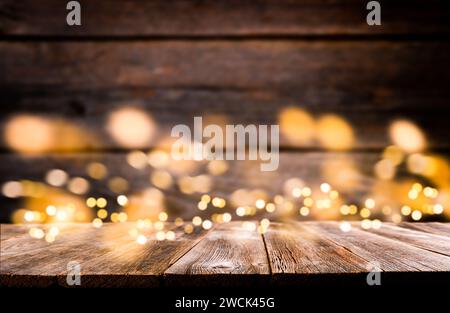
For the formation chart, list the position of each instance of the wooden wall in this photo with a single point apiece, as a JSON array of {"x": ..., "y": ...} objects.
[{"x": 245, "y": 60}]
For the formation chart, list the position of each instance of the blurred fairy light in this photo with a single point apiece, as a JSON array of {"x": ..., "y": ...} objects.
[
  {"x": 56, "y": 177},
  {"x": 297, "y": 125},
  {"x": 78, "y": 185},
  {"x": 161, "y": 179},
  {"x": 131, "y": 127},
  {"x": 390, "y": 197},
  {"x": 29, "y": 134},
  {"x": 12, "y": 189},
  {"x": 158, "y": 159},
  {"x": 217, "y": 167},
  {"x": 407, "y": 136},
  {"x": 137, "y": 159},
  {"x": 335, "y": 133},
  {"x": 97, "y": 170}
]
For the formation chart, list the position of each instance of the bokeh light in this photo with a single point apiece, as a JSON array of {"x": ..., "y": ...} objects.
[{"x": 131, "y": 127}]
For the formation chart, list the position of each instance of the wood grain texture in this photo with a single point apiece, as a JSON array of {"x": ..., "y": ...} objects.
[
  {"x": 228, "y": 255},
  {"x": 426, "y": 241},
  {"x": 222, "y": 18},
  {"x": 441, "y": 229},
  {"x": 289, "y": 254},
  {"x": 369, "y": 84},
  {"x": 295, "y": 253},
  {"x": 108, "y": 257},
  {"x": 388, "y": 254}
]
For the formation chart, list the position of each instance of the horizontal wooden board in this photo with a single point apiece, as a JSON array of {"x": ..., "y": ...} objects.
[
  {"x": 388, "y": 253},
  {"x": 432, "y": 228},
  {"x": 228, "y": 255},
  {"x": 294, "y": 254},
  {"x": 295, "y": 250},
  {"x": 431, "y": 242},
  {"x": 107, "y": 256},
  {"x": 222, "y": 18},
  {"x": 369, "y": 84}
]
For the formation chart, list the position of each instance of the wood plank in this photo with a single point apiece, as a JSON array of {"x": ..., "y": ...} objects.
[
  {"x": 229, "y": 255},
  {"x": 369, "y": 84},
  {"x": 220, "y": 18},
  {"x": 389, "y": 254},
  {"x": 440, "y": 229},
  {"x": 108, "y": 257},
  {"x": 295, "y": 253},
  {"x": 423, "y": 240}
]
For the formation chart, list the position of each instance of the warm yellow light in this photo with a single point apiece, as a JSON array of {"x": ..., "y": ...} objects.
[
  {"x": 12, "y": 189},
  {"x": 304, "y": 211},
  {"x": 158, "y": 159},
  {"x": 78, "y": 185},
  {"x": 141, "y": 239},
  {"x": 162, "y": 216},
  {"x": 365, "y": 213},
  {"x": 345, "y": 226},
  {"x": 260, "y": 204},
  {"x": 202, "y": 206},
  {"x": 217, "y": 167},
  {"x": 325, "y": 188},
  {"x": 407, "y": 136},
  {"x": 101, "y": 202},
  {"x": 296, "y": 125},
  {"x": 265, "y": 222},
  {"x": 91, "y": 202},
  {"x": 29, "y": 134},
  {"x": 160, "y": 235},
  {"x": 170, "y": 235},
  {"x": 56, "y": 177},
  {"x": 118, "y": 184},
  {"x": 385, "y": 169},
  {"x": 161, "y": 179},
  {"x": 131, "y": 127},
  {"x": 207, "y": 224},
  {"x": 122, "y": 200},
  {"x": 97, "y": 223},
  {"x": 97, "y": 170},
  {"x": 50, "y": 210},
  {"x": 197, "y": 220},
  {"x": 405, "y": 210},
  {"x": 334, "y": 132},
  {"x": 102, "y": 213},
  {"x": 369, "y": 203},
  {"x": 188, "y": 229},
  {"x": 270, "y": 207},
  {"x": 416, "y": 215},
  {"x": 366, "y": 224},
  {"x": 29, "y": 216},
  {"x": 240, "y": 211},
  {"x": 114, "y": 217},
  {"x": 137, "y": 159},
  {"x": 226, "y": 217},
  {"x": 206, "y": 198},
  {"x": 394, "y": 154}
]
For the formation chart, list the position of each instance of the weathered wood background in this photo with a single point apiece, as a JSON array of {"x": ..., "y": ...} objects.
[
  {"x": 288, "y": 254},
  {"x": 245, "y": 60}
]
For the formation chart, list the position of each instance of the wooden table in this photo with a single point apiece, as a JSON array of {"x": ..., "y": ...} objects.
[{"x": 297, "y": 253}]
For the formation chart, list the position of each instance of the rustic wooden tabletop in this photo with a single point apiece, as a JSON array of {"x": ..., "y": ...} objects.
[{"x": 230, "y": 254}]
